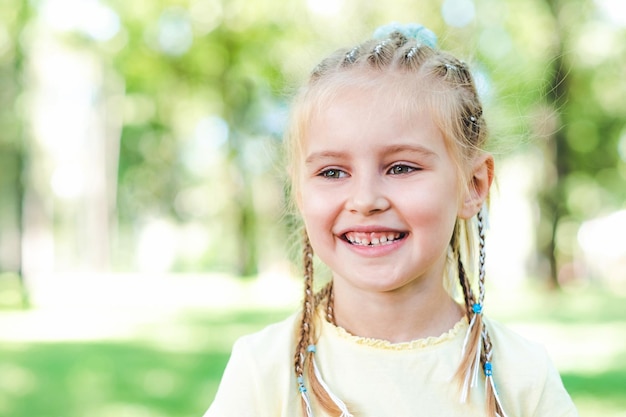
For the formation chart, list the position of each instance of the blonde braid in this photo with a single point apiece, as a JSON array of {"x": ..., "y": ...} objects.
[
  {"x": 330, "y": 305},
  {"x": 478, "y": 348},
  {"x": 468, "y": 293},
  {"x": 326, "y": 294},
  {"x": 472, "y": 345},
  {"x": 304, "y": 359},
  {"x": 302, "y": 356},
  {"x": 494, "y": 406}
]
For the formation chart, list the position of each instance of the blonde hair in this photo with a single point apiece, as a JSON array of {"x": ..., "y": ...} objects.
[{"x": 421, "y": 76}]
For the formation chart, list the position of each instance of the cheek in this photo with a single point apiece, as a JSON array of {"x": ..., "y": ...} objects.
[
  {"x": 316, "y": 209},
  {"x": 320, "y": 210},
  {"x": 435, "y": 207}
]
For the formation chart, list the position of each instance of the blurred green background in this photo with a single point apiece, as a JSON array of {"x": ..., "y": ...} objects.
[{"x": 142, "y": 213}]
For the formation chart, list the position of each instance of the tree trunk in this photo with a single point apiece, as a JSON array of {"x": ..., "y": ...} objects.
[{"x": 553, "y": 207}]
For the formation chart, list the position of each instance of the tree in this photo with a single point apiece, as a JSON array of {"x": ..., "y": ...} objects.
[
  {"x": 13, "y": 152},
  {"x": 583, "y": 155}
]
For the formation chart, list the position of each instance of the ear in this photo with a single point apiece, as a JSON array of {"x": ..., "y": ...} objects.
[{"x": 480, "y": 181}]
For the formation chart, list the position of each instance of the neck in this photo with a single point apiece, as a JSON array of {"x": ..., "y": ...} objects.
[{"x": 396, "y": 316}]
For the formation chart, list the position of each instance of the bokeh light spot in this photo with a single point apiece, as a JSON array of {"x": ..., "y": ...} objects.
[{"x": 458, "y": 13}]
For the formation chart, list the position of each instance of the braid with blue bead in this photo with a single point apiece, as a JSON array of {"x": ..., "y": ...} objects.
[{"x": 305, "y": 367}]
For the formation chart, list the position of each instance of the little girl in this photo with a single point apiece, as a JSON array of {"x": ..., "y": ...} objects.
[{"x": 389, "y": 174}]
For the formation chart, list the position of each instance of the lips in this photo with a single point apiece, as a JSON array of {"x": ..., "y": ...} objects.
[{"x": 373, "y": 238}]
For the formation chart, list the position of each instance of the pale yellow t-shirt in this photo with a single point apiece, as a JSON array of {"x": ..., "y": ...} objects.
[{"x": 376, "y": 378}]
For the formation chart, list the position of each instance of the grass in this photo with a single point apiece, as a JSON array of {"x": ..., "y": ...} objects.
[
  {"x": 166, "y": 369},
  {"x": 172, "y": 366},
  {"x": 105, "y": 379}
]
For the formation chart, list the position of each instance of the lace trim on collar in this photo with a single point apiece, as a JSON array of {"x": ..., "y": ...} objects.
[{"x": 459, "y": 328}]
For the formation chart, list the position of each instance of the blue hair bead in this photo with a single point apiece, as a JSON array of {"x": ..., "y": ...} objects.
[
  {"x": 311, "y": 348},
  {"x": 301, "y": 386},
  {"x": 488, "y": 369},
  {"x": 477, "y": 308}
]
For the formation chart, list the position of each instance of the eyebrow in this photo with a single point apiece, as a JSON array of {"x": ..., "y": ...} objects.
[
  {"x": 316, "y": 156},
  {"x": 418, "y": 149},
  {"x": 388, "y": 150}
]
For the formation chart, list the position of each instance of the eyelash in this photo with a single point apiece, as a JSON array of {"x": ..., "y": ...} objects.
[
  {"x": 398, "y": 169},
  {"x": 405, "y": 169},
  {"x": 332, "y": 173}
]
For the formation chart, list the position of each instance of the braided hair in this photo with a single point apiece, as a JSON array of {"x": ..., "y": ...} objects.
[{"x": 449, "y": 91}]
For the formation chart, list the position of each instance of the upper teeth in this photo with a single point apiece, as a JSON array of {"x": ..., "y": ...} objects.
[{"x": 372, "y": 238}]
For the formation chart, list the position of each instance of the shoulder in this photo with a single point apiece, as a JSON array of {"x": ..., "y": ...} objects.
[
  {"x": 526, "y": 375},
  {"x": 258, "y": 378},
  {"x": 505, "y": 339},
  {"x": 516, "y": 356},
  {"x": 518, "y": 362},
  {"x": 276, "y": 336},
  {"x": 269, "y": 350}
]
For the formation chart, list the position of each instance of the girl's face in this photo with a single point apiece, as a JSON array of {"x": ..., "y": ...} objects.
[{"x": 379, "y": 193}]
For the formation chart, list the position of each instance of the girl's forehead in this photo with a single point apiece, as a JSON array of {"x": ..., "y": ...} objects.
[
  {"x": 402, "y": 93},
  {"x": 360, "y": 108},
  {"x": 385, "y": 103},
  {"x": 360, "y": 122}
]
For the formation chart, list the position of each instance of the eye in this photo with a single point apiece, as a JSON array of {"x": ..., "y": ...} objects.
[
  {"x": 332, "y": 173},
  {"x": 401, "y": 169}
]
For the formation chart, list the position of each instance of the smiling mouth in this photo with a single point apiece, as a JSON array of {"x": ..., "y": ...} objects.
[{"x": 373, "y": 239}]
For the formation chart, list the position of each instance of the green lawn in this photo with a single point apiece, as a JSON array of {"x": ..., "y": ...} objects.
[{"x": 171, "y": 368}]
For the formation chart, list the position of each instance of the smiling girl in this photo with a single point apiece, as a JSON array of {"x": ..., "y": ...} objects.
[{"x": 389, "y": 174}]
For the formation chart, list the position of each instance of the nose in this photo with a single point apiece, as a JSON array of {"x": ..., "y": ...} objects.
[{"x": 367, "y": 197}]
